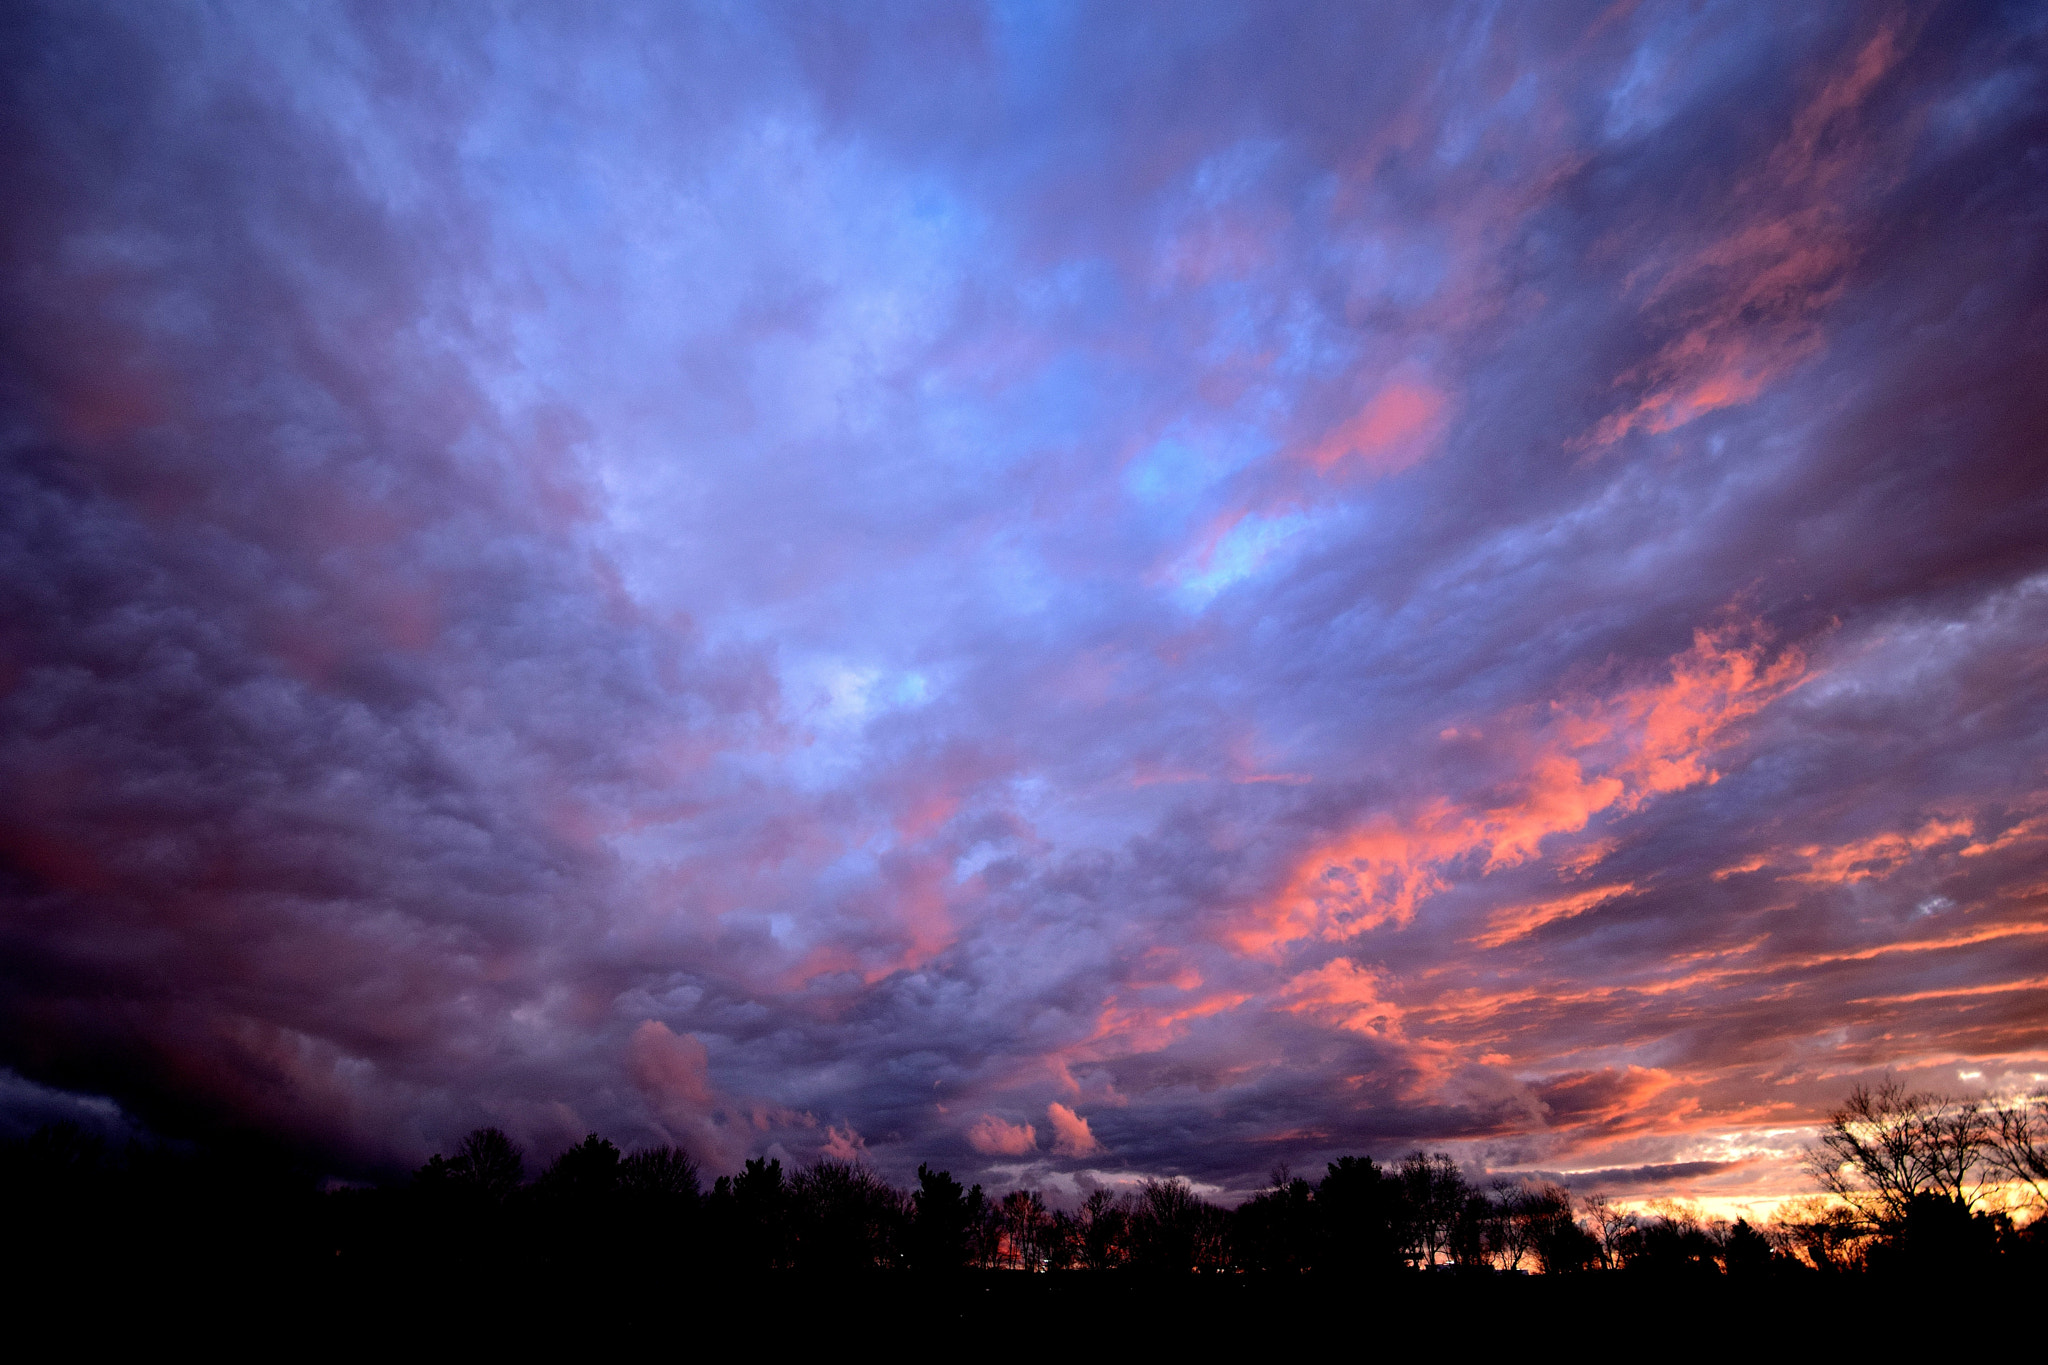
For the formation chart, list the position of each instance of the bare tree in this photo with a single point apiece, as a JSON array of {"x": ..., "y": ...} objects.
[
  {"x": 1104, "y": 1223},
  {"x": 488, "y": 1161},
  {"x": 1819, "y": 1232},
  {"x": 1610, "y": 1226},
  {"x": 844, "y": 1217},
  {"x": 1534, "y": 1221},
  {"x": 1025, "y": 1224},
  {"x": 1512, "y": 1231},
  {"x": 1887, "y": 1145},
  {"x": 2017, "y": 1148},
  {"x": 660, "y": 1173},
  {"x": 1436, "y": 1193},
  {"x": 1173, "y": 1230}
]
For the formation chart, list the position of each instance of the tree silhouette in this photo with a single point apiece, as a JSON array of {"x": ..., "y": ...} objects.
[
  {"x": 1557, "y": 1240},
  {"x": 1671, "y": 1241},
  {"x": 1061, "y": 1242},
  {"x": 942, "y": 1223},
  {"x": 660, "y": 1175},
  {"x": 1899, "y": 1204},
  {"x": 1104, "y": 1223},
  {"x": 750, "y": 1215},
  {"x": 1024, "y": 1224},
  {"x": 1885, "y": 1146},
  {"x": 1366, "y": 1218},
  {"x": 1820, "y": 1234},
  {"x": 1436, "y": 1193},
  {"x": 1747, "y": 1253},
  {"x": 2017, "y": 1149},
  {"x": 1172, "y": 1231},
  {"x": 845, "y": 1218},
  {"x": 1499, "y": 1227},
  {"x": 1937, "y": 1235},
  {"x": 587, "y": 1173},
  {"x": 492, "y": 1163},
  {"x": 1279, "y": 1230}
]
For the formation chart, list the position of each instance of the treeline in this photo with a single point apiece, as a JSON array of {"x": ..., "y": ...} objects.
[{"x": 1888, "y": 1162}]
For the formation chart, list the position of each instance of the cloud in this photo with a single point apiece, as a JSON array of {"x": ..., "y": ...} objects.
[
  {"x": 1070, "y": 1132},
  {"x": 843, "y": 1144},
  {"x": 674, "y": 1074},
  {"x": 998, "y": 1137},
  {"x": 1580, "y": 758},
  {"x": 1388, "y": 433},
  {"x": 1879, "y": 855},
  {"x": 1749, "y": 304},
  {"x": 1345, "y": 994}
]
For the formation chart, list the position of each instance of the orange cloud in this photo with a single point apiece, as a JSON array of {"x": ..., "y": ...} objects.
[
  {"x": 2026, "y": 831},
  {"x": 1142, "y": 1027},
  {"x": 1345, "y": 994},
  {"x": 1753, "y": 863},
  {"x": 1518, "y": 921},
  {"x": 1609, "y": 1099},
  {"x": 1587, "y": 757},
  {"x": 1950, "y": 992},
  {"x": 1879, "y": 856},
  {"x": 995, "y": 1137},
  {"x": 1070, "y": 1132}
]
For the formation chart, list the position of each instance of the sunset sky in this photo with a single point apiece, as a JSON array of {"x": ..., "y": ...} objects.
[{"x": 1071, "y": 591}]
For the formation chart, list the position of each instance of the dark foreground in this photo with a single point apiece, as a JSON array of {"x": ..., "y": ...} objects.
[
  {"x": 1006, "y": 1314},
  {"x": 238, "y": 1248}
]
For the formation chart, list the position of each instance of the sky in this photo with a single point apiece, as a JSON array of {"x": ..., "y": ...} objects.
[{"x": 1071, "y": 591}]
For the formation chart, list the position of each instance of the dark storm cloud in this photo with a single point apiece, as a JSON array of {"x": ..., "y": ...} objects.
[{"x": 1066, "y": 592}]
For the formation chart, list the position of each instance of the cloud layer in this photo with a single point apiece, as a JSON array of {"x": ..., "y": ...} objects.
[{"x": 1118, "y": 590}]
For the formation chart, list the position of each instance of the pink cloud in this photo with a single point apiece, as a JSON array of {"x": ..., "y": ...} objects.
[
  {"x": 675, "y": 1069},
  {"x": 996, "y": 1137},
  {"x": 1389, "y": 434},
  {"x": 1880, "y": 855},
  {"x": 1749, "y": 304},
  {"x": 1071, "y": 1135},
  {"x": 1581, "y": 757},
  {"x": 673, "y": 1073},
  {"x": 1345, "y": 994},
  {"x": 843, "y": 1144}
]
